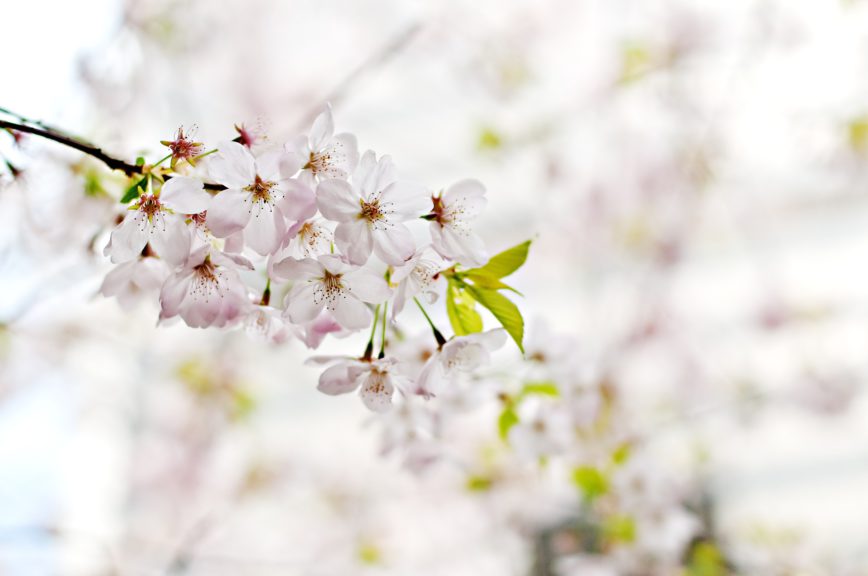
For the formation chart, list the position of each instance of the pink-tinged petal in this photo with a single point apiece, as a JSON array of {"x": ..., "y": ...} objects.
[
  {"x": 117, "y": 279},
  {"x": 171, "y": 238},
  {"x": 469, "y": 248},
  {"x": 185, "y": 195},
  {"x": 430, "y": 379},
  {"x": 337, "y": 200},
  {"x": 377, "y": 391},
  {"x": 351, "y": 313},
  {"x": 334, "y": 264},
  {"x": 377, "y": 178},
  {"x": 322, "y": 129},
  {"x": 229, "y": 213},
  {"x": 265, "y": 230},
  {"x": 367, "y": 286},
  {"x": 402, "y": 294},
  {"x": 233, "y": 165},
  {"x": 234, "y": 243},
  {"x": 299, "y": 201},
  {"x": 365, "y": 168},
  {"x": 468, "y": 196},
  {"x": 394, "y": 245},
  {"x": 129, "y": 238},
  {"x": 173, "y": 293},
  {"x": 316, "y": 331},
  {"x": 303, "y": 306},
  {"x": 149, "y": 273},
  {"x": 293, "y": 269},
  {"x": 337, "y": 380},
  {"x": 461, "y": 245},
  {"x": 355, "y": 240},
  {"x": 231, "y": 260},
  {"x": 491, "y": 340},
  {"x": 407, "y": 200},
  {"x": 343, "y": 154},
  {"x": 298, "y": 152},
  {"x": 268, "y": 165}
]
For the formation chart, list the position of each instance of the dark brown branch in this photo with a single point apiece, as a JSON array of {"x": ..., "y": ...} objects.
[{"x": 55, "y": 135}]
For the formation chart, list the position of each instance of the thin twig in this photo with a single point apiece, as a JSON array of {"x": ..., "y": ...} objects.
[{"x": 58, "y": 136}]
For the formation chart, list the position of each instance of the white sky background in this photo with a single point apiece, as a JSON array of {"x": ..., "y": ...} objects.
[{"x": 786, "y": 217}]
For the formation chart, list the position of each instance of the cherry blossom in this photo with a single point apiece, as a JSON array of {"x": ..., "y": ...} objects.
[
  {"x": 323, "y": 154},
  {"x": 418, "y": 275},
  {"x": 206, "y": 290},
  {"x": 267, "y": 324},
  {"x": 329, "y": 282},
  {"x": 372, "y": 210},
  {"x": 159, "y": 219},
  {"x": 451, "y": 214},
  {"x": 130, "y": 281},
  {"x": 376, "y": 381},
  {"x": 259, "y": 198},
  {"x": 461, "y": 354}
]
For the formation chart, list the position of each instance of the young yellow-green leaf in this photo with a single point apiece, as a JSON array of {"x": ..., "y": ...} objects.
[
  {"x": 135, "y": 190},
  {"x": 620, "y": 529},
  {"x": 508, "y": 418},
  {"x": 479, "y": 483},
  {"x": 505, "y": 263},
  {"x": 504, "y": 310},
  {"x": 461, "y": 308},
  {"x": 591, "y": 482},
  {"x": 540, "y": 388},
  {"x": 489, "y": 282}
]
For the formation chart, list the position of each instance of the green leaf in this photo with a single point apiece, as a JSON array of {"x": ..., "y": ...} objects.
[
  {"x": 503, "y": 264},
  {"x": 620, "y": 529},
  {"x": 591, "y": 482},
  {"x": 508, "y": 418},
  {"x": 541, "y": 388},
  {"x": 135, "y": 190},
  {"x": 504, "y": 310},
  {"x": 479, "y": 483},
  {"x": 461, "y": 308},
  {"x": 489, "y": 282}
]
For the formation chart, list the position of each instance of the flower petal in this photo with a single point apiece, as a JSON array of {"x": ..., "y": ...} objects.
[
  {"x": 351, "y": 313},
  {"x": 129, "y": 238},
  {"x": 468, "y": 196},
  {"x": 337, "y": 200},
  {"x": 229, "y": 212},
  {"x": 377, "y": 391},
  {"x": 185, "y": 195},
  {"x": 408, "y": 200},
  {"x": 303, "y": 306},
  {"x": 322, "y": 129},
  {"x": 233, "y": 165},
  {"x": 337, "y": 380},
  {"x": 265, "y": 230},
  {"x": 367, "y": 286},
  {"x": 172, "y": 241},
  {"x": 355, "y": 240},
  {"x": 299, "y": 201},
  {"x": 394, "y": 245}
]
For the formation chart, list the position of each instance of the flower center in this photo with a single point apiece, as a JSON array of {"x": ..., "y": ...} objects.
[
  {"x": 371, "y": 211},
  {"x": 149, "y": 205},
  {"x": 441, "y": 214},
  {"x": 318, "y": 161},
  {"x": 206, "y": 280},
  {"x": 330, "y": 288},
  {"x": 261, "y": 190}
]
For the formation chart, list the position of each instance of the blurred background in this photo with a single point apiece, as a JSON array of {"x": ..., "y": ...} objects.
[{"x": 693, "y": 174}]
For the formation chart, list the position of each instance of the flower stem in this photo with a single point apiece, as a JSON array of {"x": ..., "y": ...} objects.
[
  {"x": 266, "y": 294},
  {"x": 369, "y": 349},
  {"x": 383, "y": 335},
  {"x": 37, "y": 128},
  {"x": 437, "y": 335}
]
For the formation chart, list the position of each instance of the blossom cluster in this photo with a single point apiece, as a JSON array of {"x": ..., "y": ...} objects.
[{"x": 340, "y": 239}]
